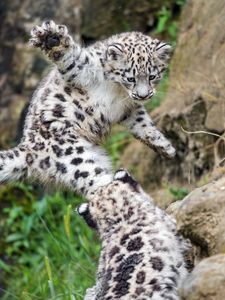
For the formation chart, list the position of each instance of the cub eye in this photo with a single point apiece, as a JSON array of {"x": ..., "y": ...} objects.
[
  {"x": 151, "y": 77},
  {"x": 130, "y": 79}
]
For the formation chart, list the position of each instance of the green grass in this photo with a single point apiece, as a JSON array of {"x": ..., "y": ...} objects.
[{"x": 38, "y": 231}]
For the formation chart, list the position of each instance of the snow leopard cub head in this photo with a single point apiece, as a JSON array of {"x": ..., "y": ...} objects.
[
  {"x": 113, "y": 204},
  {"x": 137, "y": 62}
]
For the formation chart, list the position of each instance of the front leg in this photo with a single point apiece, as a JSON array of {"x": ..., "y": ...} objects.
[
  {"x": 70, "y": 58},
  {"x": 142, "y": 127}
]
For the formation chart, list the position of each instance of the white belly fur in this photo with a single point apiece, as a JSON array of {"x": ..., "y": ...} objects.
[{"x": 111, "y": 99}]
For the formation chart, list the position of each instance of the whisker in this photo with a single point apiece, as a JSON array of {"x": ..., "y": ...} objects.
[{"x": 125, "y": 98}]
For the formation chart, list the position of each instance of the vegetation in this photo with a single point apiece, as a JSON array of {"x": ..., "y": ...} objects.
[
  {"x": 50, "y": 249},
  {"x": 178, "y": 193},
  {"x": 167, "y": 21}
]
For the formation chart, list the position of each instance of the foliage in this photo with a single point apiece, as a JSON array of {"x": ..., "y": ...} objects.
[
  {"x": 167, "y": 22},
  {"x": 48, "y": 231},
  {"x": 178, "y": 193},
  {"x": 115, "y": 144}
]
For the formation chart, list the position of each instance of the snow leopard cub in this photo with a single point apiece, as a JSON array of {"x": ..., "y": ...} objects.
[
  {"x": 142, "y": 255},
  {"x": 75, "y": 106}
]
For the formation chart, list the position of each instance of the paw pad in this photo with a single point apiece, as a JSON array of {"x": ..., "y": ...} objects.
[{"x": 52, "y": 41}]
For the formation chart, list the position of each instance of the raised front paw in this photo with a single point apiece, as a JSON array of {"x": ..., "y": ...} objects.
[
  {"x": 170, "y": 152},
  {"x": 165, "y": 149},
  {"x": 50, "y": 36}
]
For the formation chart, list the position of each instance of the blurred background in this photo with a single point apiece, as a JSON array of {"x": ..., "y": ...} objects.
[{"x": 46, "y": 251}]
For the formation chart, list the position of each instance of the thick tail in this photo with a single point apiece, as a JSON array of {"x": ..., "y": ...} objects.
[{"x": 13, "y": 164}]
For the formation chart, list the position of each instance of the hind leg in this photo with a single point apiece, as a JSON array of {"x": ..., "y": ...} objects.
[
  {"x": 90, "y": 168},
  {"x": 75, "y": 164}
]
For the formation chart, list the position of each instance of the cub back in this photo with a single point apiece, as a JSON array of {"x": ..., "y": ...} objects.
[{"x": 142, "y": 255}]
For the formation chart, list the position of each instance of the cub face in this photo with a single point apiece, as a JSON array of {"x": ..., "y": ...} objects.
[{"x": 137, "y": 62}]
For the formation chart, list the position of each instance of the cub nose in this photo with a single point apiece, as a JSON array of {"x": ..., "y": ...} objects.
[{"x": 143, "y": 96}]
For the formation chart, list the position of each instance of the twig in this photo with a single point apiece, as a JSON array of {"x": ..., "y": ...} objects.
[{"x": 204, "y": 132}]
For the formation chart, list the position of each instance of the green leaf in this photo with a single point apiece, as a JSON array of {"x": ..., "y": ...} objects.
[
  {"x": 14, "y": 237},
  {"x": 178, "y": 193},
  {"x": 4, "y": 266}
]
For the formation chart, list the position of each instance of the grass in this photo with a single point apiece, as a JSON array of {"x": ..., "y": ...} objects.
[
  {"x": 48, "y": 230},
  {"x": 116, "y": 143}
]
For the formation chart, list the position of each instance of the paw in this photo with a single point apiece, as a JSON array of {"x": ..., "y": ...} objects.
[
  {"x": 82, "y": 209},
  {"x": 121, "y": 174},
  {"x": 50, "y": 35},
  {"x": 170, "y": 152},
  {"x": 124, "y": 176}
]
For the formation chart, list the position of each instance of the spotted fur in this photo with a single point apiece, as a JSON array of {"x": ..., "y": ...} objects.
[
  {"x": 75, "y": 106},
  {"x": 142, "y": 255}
]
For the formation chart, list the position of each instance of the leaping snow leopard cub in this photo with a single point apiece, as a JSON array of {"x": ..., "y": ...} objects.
[
  {"x": 74, "y": 107},
  {"x": 142, "y": 255}
]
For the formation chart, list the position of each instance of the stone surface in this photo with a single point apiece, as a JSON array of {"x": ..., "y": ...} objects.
[
  {"x": 207, "y": 281},
  {"x": 102, "y": 18},
  {"x": 20, "y": 66},
  {"x": 200, "y": 217}
]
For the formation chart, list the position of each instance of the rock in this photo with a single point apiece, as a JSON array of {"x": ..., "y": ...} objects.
[
  {"x": 115, "y": 16},
  {"x": 20, "y": 66},
  {"x": 139, "y": 160},
  {"x": 194, "y": 100},
  {"x": 207, "y": 281},
  {"x": 200, "y": 217}
]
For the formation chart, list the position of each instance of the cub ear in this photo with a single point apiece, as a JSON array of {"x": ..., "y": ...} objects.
[
  {"x": 124, "y": 176},
  {"x": 115, "y": 51},
  {"x": 163, "y": 51},
  {"x": 84, "y": 211}
]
